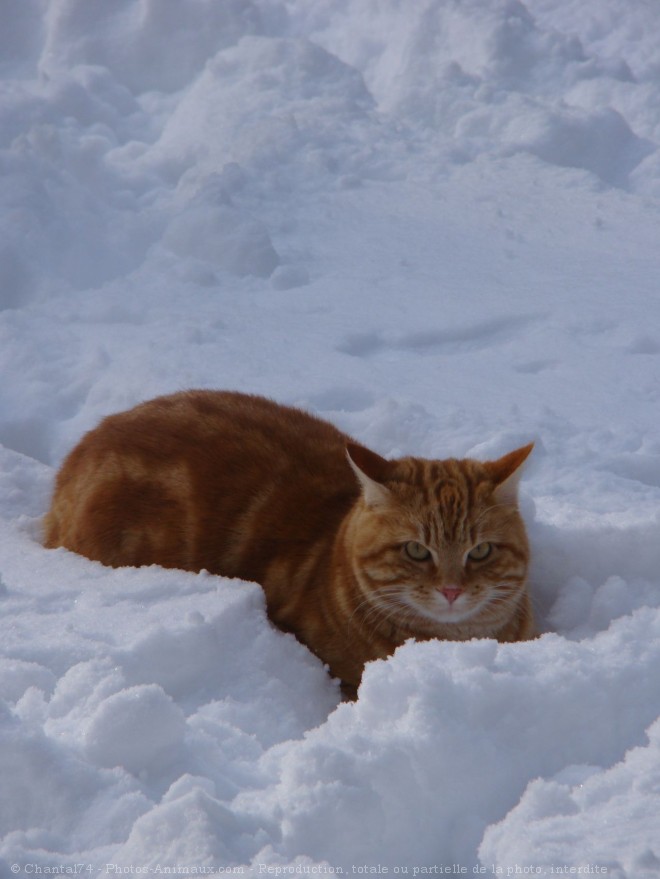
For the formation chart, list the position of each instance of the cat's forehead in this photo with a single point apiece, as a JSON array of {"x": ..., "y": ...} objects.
[
  {"x": 445, "y": 482},
  {"x": 444, "y": 495}
]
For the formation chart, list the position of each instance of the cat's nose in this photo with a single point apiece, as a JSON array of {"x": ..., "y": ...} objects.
[{"x": 451, "y": 593}]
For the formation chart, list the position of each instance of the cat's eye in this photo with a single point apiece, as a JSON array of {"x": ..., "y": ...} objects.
[
  {"x": 417, "y": 551},
  {"x": 480, "y": 552}
]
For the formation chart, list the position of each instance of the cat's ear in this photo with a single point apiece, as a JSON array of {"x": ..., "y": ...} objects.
[
  {"x": 371, "y": 471},
  {"x": 506, "y": 473}
]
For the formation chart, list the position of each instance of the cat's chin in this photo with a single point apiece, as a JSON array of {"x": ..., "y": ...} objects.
[{"x": 450, "y": 615}]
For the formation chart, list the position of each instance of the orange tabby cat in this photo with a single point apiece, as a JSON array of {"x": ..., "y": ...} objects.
[{"x": 355, "y": 553}]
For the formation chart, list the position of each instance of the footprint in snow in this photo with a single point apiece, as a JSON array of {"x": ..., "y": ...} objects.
[{"x": 450, "y": 340}]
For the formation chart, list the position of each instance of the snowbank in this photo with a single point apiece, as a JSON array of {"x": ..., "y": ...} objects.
[{"x": 434, "y": 224}]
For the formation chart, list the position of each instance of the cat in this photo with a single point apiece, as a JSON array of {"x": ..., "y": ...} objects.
[{"x": 356, "y": 553}]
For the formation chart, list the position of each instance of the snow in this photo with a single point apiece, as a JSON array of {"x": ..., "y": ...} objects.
[{"x": 434, "y": 224}]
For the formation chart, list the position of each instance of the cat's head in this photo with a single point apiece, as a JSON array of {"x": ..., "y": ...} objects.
[{"x": 437, "y": 544}]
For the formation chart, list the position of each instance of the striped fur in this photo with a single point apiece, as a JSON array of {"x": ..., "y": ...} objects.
[{"x": 243, "y": 487}]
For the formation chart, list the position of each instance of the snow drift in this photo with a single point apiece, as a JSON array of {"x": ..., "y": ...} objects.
[{"x": 434, "y": 224}]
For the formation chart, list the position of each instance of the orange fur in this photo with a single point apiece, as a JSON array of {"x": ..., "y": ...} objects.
[{"x": 243, "y": 487}]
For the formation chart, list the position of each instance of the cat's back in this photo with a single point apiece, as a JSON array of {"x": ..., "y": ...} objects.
[
  {"x": 171, "y": 427},
  {"x": 176, "y": 479}
]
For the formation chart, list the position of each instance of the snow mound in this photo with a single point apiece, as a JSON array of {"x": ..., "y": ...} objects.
[
  {"x": 434, "y": 224},
  {"x": 223, "y": 236},
  {"x": 146, "y": 45},
  {"x": 139, "y": 728},
  {"x": 578, "y": 805}
]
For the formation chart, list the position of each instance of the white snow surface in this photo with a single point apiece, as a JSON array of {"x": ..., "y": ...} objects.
[{"x": 435, "y": 223}]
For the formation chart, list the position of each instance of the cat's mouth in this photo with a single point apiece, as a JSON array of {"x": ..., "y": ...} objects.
[
  {"x": 449, "y": 613},
  {"x": 435, "y": 609}
]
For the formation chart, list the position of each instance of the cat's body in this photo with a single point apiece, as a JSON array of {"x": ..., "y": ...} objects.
[{"x": 355, "y": 555}]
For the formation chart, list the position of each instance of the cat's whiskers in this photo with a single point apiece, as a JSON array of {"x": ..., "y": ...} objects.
[
  {"x": 375, "y": 612},
  {"x": 368, "y": 603},
  {"x": 390, "y": 605},
  {"x": 536, "y": 606},
  {"x": 497, "y": 602},
  {"x": 406, "y": 618},
  {"x": 379, "y": 604}
]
